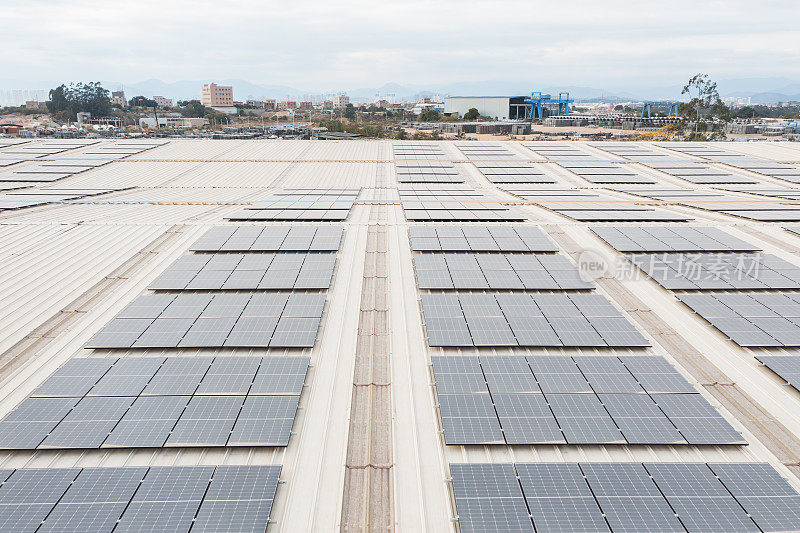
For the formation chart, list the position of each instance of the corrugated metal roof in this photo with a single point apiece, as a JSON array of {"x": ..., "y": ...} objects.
[{"x": 67, "y": 268}]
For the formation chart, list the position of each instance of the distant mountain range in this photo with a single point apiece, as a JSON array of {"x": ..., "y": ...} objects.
[{"x": 760, "y": 90}]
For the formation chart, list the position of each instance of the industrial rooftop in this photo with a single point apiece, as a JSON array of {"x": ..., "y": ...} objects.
[{"x": 399, "y": 335}]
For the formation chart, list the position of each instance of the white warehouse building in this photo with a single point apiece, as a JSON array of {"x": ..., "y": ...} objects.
[{"x": 497, "y": 107}]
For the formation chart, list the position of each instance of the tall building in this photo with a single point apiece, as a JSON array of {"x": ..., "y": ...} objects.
[
  {"x": 340, "y": 101},
  {"x": 163, "y": 102},
  {"x": 217, "y": 95},
  {"x": 118, "y": 98}
]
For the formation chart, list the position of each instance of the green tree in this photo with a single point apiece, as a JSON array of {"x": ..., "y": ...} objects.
[
  {"x": 471, "y": 114},
  {"x": 67, "y": 101},
  {"x": 431, "y": 115},
  {"x": 194, "y": 109},
  {"x": 704, "y": 99},
  {"x": 350, "y": 112},
  {"x": 141, "y": 101},
  {"x": 58, "y": 100}
]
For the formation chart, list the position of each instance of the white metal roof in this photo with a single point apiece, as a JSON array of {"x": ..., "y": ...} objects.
[{"x": 67, "y": 268}]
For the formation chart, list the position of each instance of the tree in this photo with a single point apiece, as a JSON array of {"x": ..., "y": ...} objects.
[
  {"x": 431, "y": 115},
  {"x": 58, "y": 100},
  {"x": 471, "y": 114},
  {"x": 350, "y": 112},
  {"x": 704, "y": 97},
  {"x": 194, "y": 109},
  {"x": 141, "y": 101},
  {"x": 67, "y": 101}
]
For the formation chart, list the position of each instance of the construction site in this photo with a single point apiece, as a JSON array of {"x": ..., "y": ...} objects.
[{"x": 384, "y": 335}]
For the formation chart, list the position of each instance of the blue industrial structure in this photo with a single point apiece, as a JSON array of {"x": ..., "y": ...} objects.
[
  {"x": 673, "y": 108},
  {"x": 539, "y": 101}
]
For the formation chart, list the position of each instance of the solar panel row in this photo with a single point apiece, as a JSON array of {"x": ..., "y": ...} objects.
[
  {"x": 496, "y": 319},
  {"x": 215, "y": 320},
  {"x": 270, "y": 239},
  {"x": 301, "y": 204},
  {"x": 160, "y": 402},
  {"x": 719, "y": 271},
  {"x": 479, "y": 239},
  {"x": 157, "y": 498},
  {"x": 497, "y": 271},
  {"x": 579, "y": 400},
  {"x": 668, "y": 239},
  {"x": 751, "y": 319},
  {"x": 230, "y": 271},
  {"x": 624, "y": 497}
]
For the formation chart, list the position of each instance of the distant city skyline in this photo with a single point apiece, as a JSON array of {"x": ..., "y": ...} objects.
[{"x": 318, "y": 47}]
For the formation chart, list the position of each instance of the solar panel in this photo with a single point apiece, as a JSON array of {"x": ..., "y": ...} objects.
[
  {"x": 666, "y": 239},
  {"x": 193, "y": 320},
  {"x": 559, "y": 498},
  {"x": 575, "y": 320},
  {"x": 480, "y": 239},
  {"x": 699, "y": 499},
  {"x": 750, "y": 319},
  {"x": 623, "y": 496},
  {"x": 719, "y": 271},
  {"x": 489, "y": 498},
  {"x": 586, "y": 399},
  {"x": 496, "y": 271},
  {"x": 189, "y": 401}
]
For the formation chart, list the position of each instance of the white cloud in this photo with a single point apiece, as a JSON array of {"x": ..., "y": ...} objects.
[{"x": 320, "y": 45}]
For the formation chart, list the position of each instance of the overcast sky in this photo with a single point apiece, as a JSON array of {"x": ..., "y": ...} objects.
[{"x": 327, "y": 45}]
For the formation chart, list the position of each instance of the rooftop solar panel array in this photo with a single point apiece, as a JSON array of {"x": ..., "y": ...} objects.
[
  {"x": 751, "y": 319},
  {"x": 786, "y": 366},
  {"x": 752, "y": 208},
  {"x": 672, "y": 195},
  {"x": 51, "y": 170},
  {"x": 270, "y": 239},
  {"x": 477, "y": 151},
  {"x": 632, "y": 152},
  {"x": 497, "y": 272},
  {"x": 603, "y": 173},
  {"x": 717, "y": 271},
  {"x": 707, "y": 151},
  {"x": 514, "y": 172},
  {"x": 42, "y": 149},
  {"x": 31, "y": 197},
  {"x": 302, "y": 204},
  {"x": 776, "y": 192},
  {"x": 700, "y": 174},
  {"x": 776, "y": 170},
  {"x": 479, "y": 239},
  {"x": 417, "y": 150},
  {"x": 454, "y": 205},
  {"x": 244, "y": 319},
  {"x": 425, "y": 171},
  {"x": 230, "y": 271},
  {"x": 497, "y": 319},
  {"x": 623, "y": 497},
  {"x": 560, "y": 151},
  {"x": 587, "y": 206},
  {"x": 146, "y": 402},
  {"x": 578, "y": 400},
  {"x": 156, "y": 498},
  {"x": 667, "y": 239}
]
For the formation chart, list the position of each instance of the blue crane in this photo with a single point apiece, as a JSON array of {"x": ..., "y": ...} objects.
[
  {"x": 538, "y": 102},
  {"x": 673, "y": 108}
]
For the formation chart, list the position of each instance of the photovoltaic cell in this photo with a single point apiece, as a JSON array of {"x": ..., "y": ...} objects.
[
  {"x": 568, "y": 320},
  {"x": 750, "y": 319},
  {"x": 622, "y": 497},
  {"x": 188, "y": 402}
]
